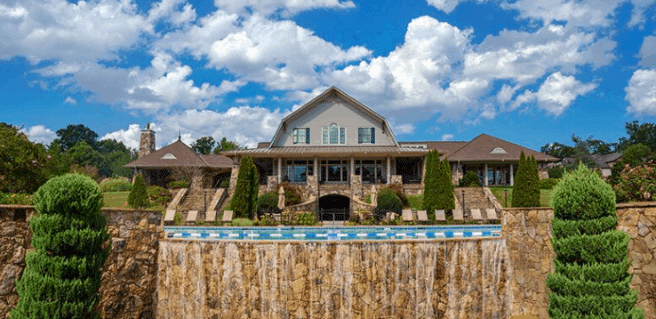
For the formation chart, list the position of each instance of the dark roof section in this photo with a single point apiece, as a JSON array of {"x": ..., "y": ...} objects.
[
  {"x": 601, "y": 161},
  {"x": 327, "y": 150},
  {"x": 480, "y": 148},
  {"x": 182, "y": 156},
  {"x": 445, "y": 148}
]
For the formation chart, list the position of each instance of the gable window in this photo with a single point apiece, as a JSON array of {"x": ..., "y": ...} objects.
[
  {"x": 301, "y": 135},
  {"x": 366, "y": 135},
  {"x": 342, "y": 135},
  {"x": 333, "y": 134}
]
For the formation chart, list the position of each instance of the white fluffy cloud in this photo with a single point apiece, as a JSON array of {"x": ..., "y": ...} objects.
[
  {"x": 70, "y": 100},
  {"x": 447, "y": 137},
  {"x": 641, "y": 92},
  {"x": 556, "y": 94},
  {"x": 40, "y": 134},
  {"x": 129, "y": 137},
  {"x": 648, "y": 52},
  {"x": 285, "y": 7}
]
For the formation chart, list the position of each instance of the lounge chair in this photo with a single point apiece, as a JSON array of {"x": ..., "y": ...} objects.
[
  {"x": 191, "y": 215},
  {"x": 491, "y": 214},
  {"x": 422, "y": 217},
  {"x": 457, "y": 215},
  {"x": 407, "y": 215},
  {"x": 170, "y": 215},
  {"x": 210, "y": 216},
  {"x": 227, "y": 216},
  {"x": 439, "y": 215},
  {"x": 476, "y": 214}
]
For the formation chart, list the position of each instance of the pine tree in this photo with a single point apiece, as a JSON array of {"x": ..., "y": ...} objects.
[
  {"x": 252, "y": 203},
  {"x": 431, "y": 182},
  {"x": 591, "y": 278},
  {"x": 447, "y": 200},
  {"x": 241, "y": 200},
  {"x": 534, "y": 184},
  {"x": 138, "y": 197},
  {"x": 63, "y": 273},
  {"x": 518, "y": 193}
]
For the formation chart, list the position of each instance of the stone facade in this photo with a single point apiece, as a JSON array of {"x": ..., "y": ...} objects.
[
  {"x": 272, "y": 182},
  {"x": 15, "y": 239},
  {"x": 129, "y": 275},
  {"x": 147, "y": 141}
]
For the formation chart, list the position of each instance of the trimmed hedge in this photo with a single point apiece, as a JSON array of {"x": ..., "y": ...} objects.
[
  {"x": 388, "y": 201},
  {"x": 591, "y": 278},
  {"x": 63, "y": 274},
  {"x": 115, "y": 185}
]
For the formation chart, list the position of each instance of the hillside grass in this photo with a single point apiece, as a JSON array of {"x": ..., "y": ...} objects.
[
  {"x": 499, "y": 193},
  {"x": 120, "y": 199}
]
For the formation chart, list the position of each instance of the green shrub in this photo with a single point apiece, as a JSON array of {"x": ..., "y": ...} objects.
[
  {"x": 177, "y": 184},
  {"x": 548, "y": 183},
  {"x": 398, "y": 190},
  {"x": 138, "y": 197},
  {"x": 445, "y": 194},
  {"x": 475, "y": 184},
  {"x": 555, "y": 172},
  {"x": 225, "y": 183},
  {"x": 159, "y": 195},
  {"x": 388, "y": 201},
  {"x": 177, "y": 219},
  {"x": 245, "y": 198},
  {"x": 591, "y": 278},
  {"x": 292, "y": 193},
  {"x": 63, "y": 274},
  {"x": 16, "y": 199},
  {"x": 266, "y": 220},
  {"x": 469, "y": 178},
  {"x": 305, "y": 219},
  {"x": 526, "y": 192},
  {"x": 267, "y": 202},
  {"x": 431, "y": 181},
  {"x": 115, "y": 185}
]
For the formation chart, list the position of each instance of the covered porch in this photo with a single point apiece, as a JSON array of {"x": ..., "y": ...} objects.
[{"x": 490, "y": 174}]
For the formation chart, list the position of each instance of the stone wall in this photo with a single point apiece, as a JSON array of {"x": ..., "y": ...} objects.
[
  {"x": 527, "y": 232},
  {"x": 129, "y": 275},
  {"x": 14, "y": 242}
]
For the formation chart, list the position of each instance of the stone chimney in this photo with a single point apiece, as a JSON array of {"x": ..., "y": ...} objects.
[{"x": 147, "y": 142}]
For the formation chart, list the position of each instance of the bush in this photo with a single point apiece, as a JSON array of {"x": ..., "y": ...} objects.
[
  {"x": 469, "y": 178},
  {"x": 245, "y": 198},
  {"x": 591, "y": 278},
  {"x": 292, "y": 193},
  {"x": 636, "y": 183},
  {"x": 305, "y": 219},
  {"x": 138, "y": 197},
  {"x": 267, "y": 202},
  {"x": 475, "y": 184},
  {"x": 431, "y": 181},
  {"x": 115, "y": 185},
  {"x": 63, "y": 274},
  {"x": 16, "y": 199},
  {"x": 266, "y": 220},
  {"x": 225, "y": 183},
  {"x": 555, "y": 172},
  {"x": 388, "y": 201},
  {"x": 525, "y": 191},
  {"x": 548, "y": 183},
  {"x": 159, "y": 195},
  {"x": 177, "y": 184},
  {"x": 398, "y": 190}
]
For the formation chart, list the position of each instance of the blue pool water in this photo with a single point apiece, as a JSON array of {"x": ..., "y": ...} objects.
[{"x": 333, "y": 233}]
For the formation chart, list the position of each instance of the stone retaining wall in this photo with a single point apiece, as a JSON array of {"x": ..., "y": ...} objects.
[{"x": 129, "y": 276}]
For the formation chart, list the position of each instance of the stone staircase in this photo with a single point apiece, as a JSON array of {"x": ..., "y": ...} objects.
[
  {"x": 475, "y": 197},
  {"x": 201, "y": 200}
]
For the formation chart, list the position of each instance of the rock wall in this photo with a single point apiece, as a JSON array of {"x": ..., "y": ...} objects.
[
  {"x": 432, "y": 279},
  {"x": 129, "y": 275},
  {"x": 14, "y": 242}
]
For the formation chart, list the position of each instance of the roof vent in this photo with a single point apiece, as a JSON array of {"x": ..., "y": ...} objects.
[
  {"x": 169, "y": 156},
  {"x": 498, "y": 150}
]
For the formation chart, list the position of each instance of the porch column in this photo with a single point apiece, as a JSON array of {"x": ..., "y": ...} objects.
[
  {"x": 389, "y": 168},
  {"x": 423, "y": 169},
  {"x": 512, "y": 177},
  {"x": 316, "y": 168},
  {"x": 485, "y": 176},
  {"x": 352, "y": 166},
  {"x": 279, "y": 169}
]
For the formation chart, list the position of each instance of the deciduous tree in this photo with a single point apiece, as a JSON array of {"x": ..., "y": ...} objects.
[
  {"x": 204, "y": 145},
  {"x": 73, "y": 134}
]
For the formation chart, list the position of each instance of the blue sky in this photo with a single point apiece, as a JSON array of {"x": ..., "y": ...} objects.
[{"x": 531, "y": 72}]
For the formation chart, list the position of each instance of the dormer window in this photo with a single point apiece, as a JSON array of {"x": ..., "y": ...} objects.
[
  {"x": 333, "y": 134},
  {"x": 498, "y": 150},
  {"x": 169, "y": 156},
  {"x": 301, "y": 135}
]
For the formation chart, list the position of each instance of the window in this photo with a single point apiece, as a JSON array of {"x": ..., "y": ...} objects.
[
  {"x": 366, "y": 135},
  {"x": 297, "y": 171},
  {"x": 301, "y": 136},
  {"x": 342, "y": 135},
  {"x": 333, "y": 134}
]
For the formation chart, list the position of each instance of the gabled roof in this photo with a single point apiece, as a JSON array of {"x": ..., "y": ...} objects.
[
  {"x": 329, "y": 150},
  {"x": 601, "y": 161},
  {"x": 317, "y": 100},
  {"x": 444, "y": 147},
  {"x": 481, "y": 149},
  {"x": 178, "y": 154}
]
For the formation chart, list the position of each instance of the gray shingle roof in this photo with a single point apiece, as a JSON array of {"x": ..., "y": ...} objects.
[{"x": 178, "y": 154}]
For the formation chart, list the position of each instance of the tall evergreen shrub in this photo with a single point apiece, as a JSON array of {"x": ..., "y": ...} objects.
[
  {"x": 62, "y": 275},
  {"x": 431, "y": 182},
  {"x": 255, "y": 188},
  {"x": 534, "y": 184},
  {"x": 591, "y": 278},
  {"x": 244, "y": 201},
  {"x": 446, "y": 200},
  {"x": 526, "y": 191},
  {"x": 138, "y": 197}
]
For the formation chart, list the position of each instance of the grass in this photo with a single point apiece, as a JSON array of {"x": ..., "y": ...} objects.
[
  {"x": 499, "y": 193},
  {"x": 415, "y": 201},
  {"x": 120, "y": 199},
  {"x": 240, "y": 222}
]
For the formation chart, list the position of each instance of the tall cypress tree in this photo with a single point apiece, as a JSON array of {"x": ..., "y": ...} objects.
[
  {"x": 431, "y": 183},
  {"x": 241, "y": 201},
  {"x": 62, "y": 275},
  {"x": 252, "y": 203},
  {"x": 591, "y": 278}
]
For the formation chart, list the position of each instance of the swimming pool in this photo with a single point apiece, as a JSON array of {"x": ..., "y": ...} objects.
[{"x": 333, "y": 233}]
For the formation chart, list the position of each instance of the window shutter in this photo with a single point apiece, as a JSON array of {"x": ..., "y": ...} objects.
[
  {"x": 373, "y": 135},
  {"x": 295, "y": 134},
  {"x": 324, "y": 135},
  {"x": 342, "y": 135},
  {"x": 359, "y": 135},
  {"x": 307, "y": 135}
]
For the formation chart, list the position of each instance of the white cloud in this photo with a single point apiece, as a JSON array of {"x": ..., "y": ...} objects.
[
  {"x": 556, "y": 94},
  {"x": 177, "y": 11},
  {"x": 447, "y": 137},
  {"x": 648, "y": 52},
  {"x": 404, "y": 129},
  {"x": 129, "y": 137},
  {"x": 40, "y": 134},
  {"x": 641, "y": 92},
  {"x": 70, "y": 100},
  {"x": 284, "y": 7}
]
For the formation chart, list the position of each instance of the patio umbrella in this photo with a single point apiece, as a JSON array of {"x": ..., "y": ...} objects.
[{"x": 281, "y": 198}]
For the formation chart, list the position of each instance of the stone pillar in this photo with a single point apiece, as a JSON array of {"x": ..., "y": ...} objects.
[
  {"x": 485, "y": 176},
  {"x": 352, "y": 166},
  {"x": 512, "y": 177},
  {"x": 147, "y": 142},
  {"x": 279, "y": 169},
  {"x": 389, "y": 168}
]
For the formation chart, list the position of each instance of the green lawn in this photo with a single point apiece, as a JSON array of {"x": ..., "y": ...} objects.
[
  {"x": 499, "y": 193},
  {"x": 120, "y": 199},
  {"x": 415, "y": 201}
]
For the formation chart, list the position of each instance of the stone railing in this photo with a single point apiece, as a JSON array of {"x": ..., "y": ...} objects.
[{"x": 129, "y": 275}]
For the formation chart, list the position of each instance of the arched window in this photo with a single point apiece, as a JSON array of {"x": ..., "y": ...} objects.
[{"x": 334, "y": 133}]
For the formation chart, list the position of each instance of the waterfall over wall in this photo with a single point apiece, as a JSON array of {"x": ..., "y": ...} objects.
[{"x": 432, "y": 279}]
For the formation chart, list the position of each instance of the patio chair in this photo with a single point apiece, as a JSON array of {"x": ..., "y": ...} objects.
[
  {"x": 210, "y": 216},
  {"x": 191, "y": 215},
  {"x": 227, "y": 216},
  {"x": 491, "y": 214},
  {"x": 170, "y": 215},
  {"x": 440, "y": 216},
  {"x": 476, "y": 214},
  {"x": 422, "y": 217},
  {"x": 407, "y": 215},
  {"x": 457, "y": 215}
]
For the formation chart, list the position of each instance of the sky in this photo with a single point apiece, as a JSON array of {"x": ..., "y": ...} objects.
[{"x": 531, "y": 72}]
